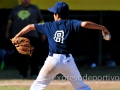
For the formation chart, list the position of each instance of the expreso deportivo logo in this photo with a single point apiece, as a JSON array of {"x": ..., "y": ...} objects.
[{"x": 86, "y": 77}]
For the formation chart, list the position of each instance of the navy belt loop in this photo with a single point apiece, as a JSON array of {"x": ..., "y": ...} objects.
[{"x": 51, "y": 54}]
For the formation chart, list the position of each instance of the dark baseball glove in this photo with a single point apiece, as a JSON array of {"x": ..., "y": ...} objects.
[{"x": 23, "y": 45}]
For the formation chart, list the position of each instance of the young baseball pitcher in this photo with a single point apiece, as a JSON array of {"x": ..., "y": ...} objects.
[{"x": 61, "y": 34}]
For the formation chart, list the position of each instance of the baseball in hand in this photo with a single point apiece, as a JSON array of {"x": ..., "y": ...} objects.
[{"x": 107, "y": 37}]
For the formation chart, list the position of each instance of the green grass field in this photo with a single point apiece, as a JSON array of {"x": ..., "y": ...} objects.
[
  {"x": 16, "y": 88},
  {"x": 13, "y": 88}
]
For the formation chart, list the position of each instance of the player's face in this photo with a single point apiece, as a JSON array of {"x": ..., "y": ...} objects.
[
  {"x": 54, "y": 17},
  {"x": 25, "y": 2}
]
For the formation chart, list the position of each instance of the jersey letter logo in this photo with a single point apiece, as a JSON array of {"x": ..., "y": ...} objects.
[{"x": 59, "y": 36}]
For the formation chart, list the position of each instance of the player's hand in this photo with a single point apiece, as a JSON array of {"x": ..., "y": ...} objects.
[{"x": 106, "y": 34}]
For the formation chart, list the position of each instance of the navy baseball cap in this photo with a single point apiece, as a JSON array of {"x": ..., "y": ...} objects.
[{"x": 60, "y": 8}]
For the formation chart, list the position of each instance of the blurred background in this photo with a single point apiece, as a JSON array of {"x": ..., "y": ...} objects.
[{"x": 90, "y": 49}]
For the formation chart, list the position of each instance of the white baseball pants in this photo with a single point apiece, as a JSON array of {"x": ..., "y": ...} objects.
[{"x": 56, "y": 64}]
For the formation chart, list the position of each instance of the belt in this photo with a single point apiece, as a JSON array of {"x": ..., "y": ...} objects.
[{"x": 51, "y": 54}]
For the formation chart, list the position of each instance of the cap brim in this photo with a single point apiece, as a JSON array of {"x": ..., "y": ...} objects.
[{"x": 51, "y": 10}]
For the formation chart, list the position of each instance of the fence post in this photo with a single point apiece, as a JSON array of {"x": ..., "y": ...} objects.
[{"x": 100, "y": 41}]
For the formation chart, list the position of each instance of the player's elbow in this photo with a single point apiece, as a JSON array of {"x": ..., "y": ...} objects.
[
  {"x": 31, "y": 27},
  {"x": 84, "y": 24}
]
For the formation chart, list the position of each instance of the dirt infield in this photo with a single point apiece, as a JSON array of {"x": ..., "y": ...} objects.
[{"x": 95, "y": 85}]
